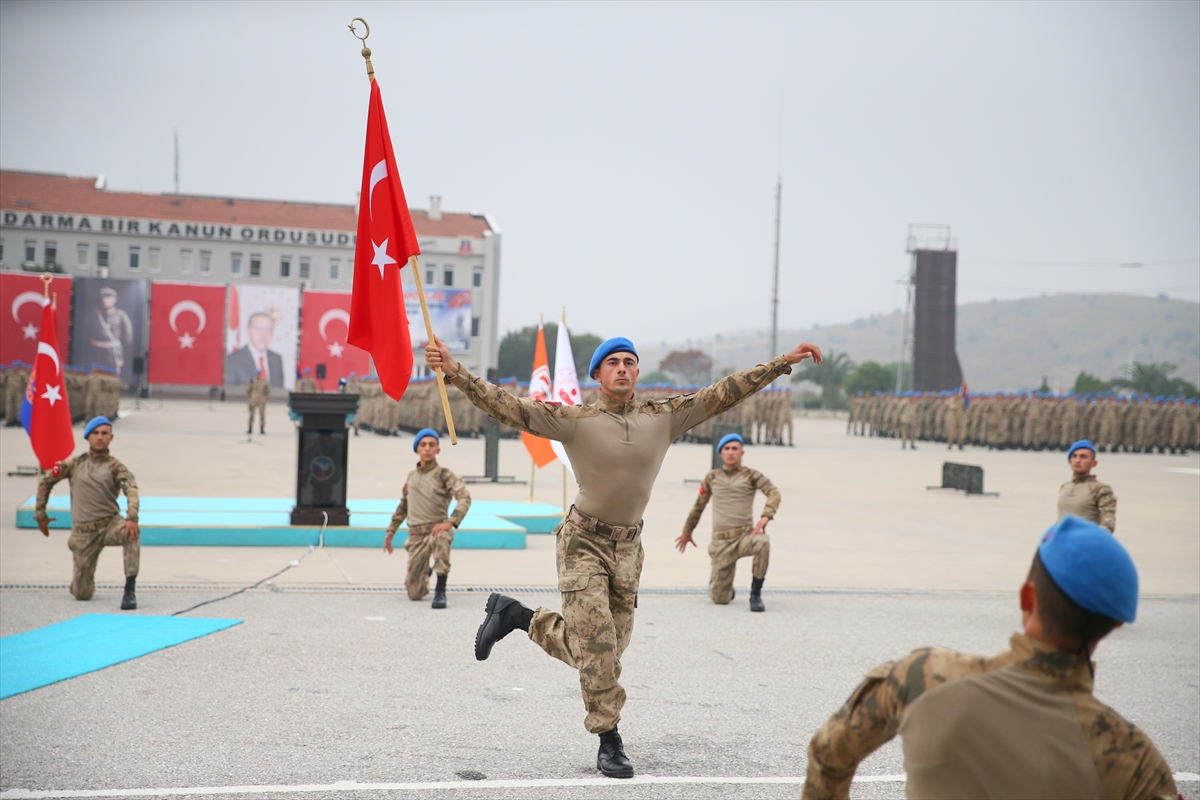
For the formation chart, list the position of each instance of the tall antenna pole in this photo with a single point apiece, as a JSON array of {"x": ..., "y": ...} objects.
[
  {"x": 177, "y": 161},
  {"x": 775, "y": 280}
]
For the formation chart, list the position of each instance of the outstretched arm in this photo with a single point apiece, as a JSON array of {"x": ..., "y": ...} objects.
[
  {"x": 48, "y": 479},
  {"x": 693, "y": 518}
]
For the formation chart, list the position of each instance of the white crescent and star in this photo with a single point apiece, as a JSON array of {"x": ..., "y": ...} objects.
[
  {"x": 381, "y": 259},
  {"x": 47, "y": 350},
  {"x": 29, "y": 331},
  {"x": 335, "y": 348},
  {"x": 187, "y": 340}
]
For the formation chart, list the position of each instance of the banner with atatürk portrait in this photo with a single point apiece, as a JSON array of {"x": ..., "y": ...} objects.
[
  {"x": 187, "y": 327},
  {"x": 108, "y": 325}
]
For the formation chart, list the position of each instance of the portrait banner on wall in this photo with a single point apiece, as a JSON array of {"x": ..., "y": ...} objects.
[
  {"x": 109, "y": 324},
  {"x": 324, "y": 324},
  {"x": 21, "y": 314},
  {"x": 450, "y": 313},
  {"x": 187, "y": 325},
  {"x": 266, "y": 336}
]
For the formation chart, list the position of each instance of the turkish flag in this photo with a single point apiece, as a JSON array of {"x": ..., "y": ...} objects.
[
  {"x": 386, "y": 241},
  {"x": 48, "y": 413},
  {"x": 539, "y": 389},
  {"x": 323, "y": 333},
  {"x": 21, "y": 314},
  {"x": 186, "y": 334}
]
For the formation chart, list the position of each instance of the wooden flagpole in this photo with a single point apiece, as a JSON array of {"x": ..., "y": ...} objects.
[{"x": 441, "y": 380}]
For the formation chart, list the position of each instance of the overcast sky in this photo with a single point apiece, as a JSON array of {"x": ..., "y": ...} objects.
[{"x": 629, "y": 151}]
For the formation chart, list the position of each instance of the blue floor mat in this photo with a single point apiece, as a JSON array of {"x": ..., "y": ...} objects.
[{"x": 90, "y": 642}]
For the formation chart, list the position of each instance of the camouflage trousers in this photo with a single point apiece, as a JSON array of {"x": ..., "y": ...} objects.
[
  {"x": 909, "y": 432},
  {"x": 86, "y": 547},
  {"x": 420, "y": 548},
  {"x": 725, "y": 553},
  {"x": 261, "y": 408},
  {"x": 598, "y": 579}
]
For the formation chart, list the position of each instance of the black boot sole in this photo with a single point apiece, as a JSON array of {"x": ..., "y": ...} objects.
[
  {"x": 617, "y": 773},
  {"x": 439, "y": 602},
  {"x": 128, "y": 606},
  {"x": 489, "y": 609}
]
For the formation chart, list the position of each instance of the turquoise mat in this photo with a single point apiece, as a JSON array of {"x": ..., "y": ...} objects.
[{"x": 88, "y": 643}]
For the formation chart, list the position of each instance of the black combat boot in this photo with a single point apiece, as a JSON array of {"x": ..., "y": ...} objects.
[
  {"x": 129, "y": 601},
  {"x": 756, "y": 603},
  {"x": 611, "y": 760},
  {"x": 439, "y": 592},
  {"x": 504, "y": 615},
  {"x": 262, "y": 431}
]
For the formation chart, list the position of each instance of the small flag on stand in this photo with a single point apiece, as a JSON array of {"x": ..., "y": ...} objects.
[
  {"x": 566, "y": 383},
  {"x": 386, "y": 242},
  {"x": 45, "y": 412},
  {"x": 539, "y": 389}
]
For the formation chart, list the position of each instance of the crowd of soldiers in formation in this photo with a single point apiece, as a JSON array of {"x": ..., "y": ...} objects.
[
  {"x": 1029, "y": 421},
  {"x": 764, "y": 418},
  {"x": 94, "y": 394}
]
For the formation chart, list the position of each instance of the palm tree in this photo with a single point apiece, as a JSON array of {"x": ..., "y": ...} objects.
[
  {"x": 1151, "y": 379},
  {"x": 830, "y": 375}
]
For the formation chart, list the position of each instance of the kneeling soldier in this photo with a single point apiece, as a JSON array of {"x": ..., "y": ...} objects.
[
  {"x": 425, "y": 500},
  {"x": 735, "y": 534},
  {"x": 96, "y": 480}
]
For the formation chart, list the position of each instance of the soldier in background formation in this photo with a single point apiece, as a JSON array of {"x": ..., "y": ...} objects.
[
  {"x": 88, "y": 395},
  {"x": 1031, "y": 421},
  {"x": 258, "y": 390},
  {"x": 1084, "y": 496},
  {"x": 307, "y": 384}
]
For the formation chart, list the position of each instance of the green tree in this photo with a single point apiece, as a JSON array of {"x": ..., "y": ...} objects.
[
  {"x": 1090, "y": 384},
  {"x": 871, "y": 377},
  {"x": 688, "y": 366},
  {"x": 831, "y": 374},
  {"x": 1154, "y": 379},
  {"x": 516, "y": 351},
  {"x": 1045, "y": 387},
  {"x": 657, "y": 376}
]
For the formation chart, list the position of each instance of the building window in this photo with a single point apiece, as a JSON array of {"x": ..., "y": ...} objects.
[
  {"x": 474, "y": 326},
  {"x": 350, "y": 267},
  {"x": 84, "y": 253},
  {"x": 429, "y": 275},
  {"x": 235, "y": 264},
  {"x": 31, "y": 251},
  {"x": 477, "y": 278},
  {"x": 255, "y": 265},
  {"x": 305, "y": 267},
  {"x": 154, "y": 259},
  {"x": 51, "y": 251},
  {"x": 1, "y": 250},
  {"x": 285, "y": 266},
  {"x": 206, "y": 262},
  {"x": 448, "y": 276},
  {"x": 135, "y": 258},
  {"x": 335, "y": 269},
  {"x": 185, "y": 261},
  {"x": 102, "y": 256}
]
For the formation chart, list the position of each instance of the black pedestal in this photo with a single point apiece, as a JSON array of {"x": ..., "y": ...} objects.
[{"x": 321, "y": 457}]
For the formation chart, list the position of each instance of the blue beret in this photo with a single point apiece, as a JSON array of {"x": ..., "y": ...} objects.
[
  {"x": 617, "y": 344},
  {"x": 1091, "y": 567},
  {"x": 421, "y": 434},
  {"x": 1082, "y": 444},
  {"x": 727, "y": 438},
  {"x": 95, "y": 422}
]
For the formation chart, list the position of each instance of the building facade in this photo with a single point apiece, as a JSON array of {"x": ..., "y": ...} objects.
[{"x": 78, "y": 226}]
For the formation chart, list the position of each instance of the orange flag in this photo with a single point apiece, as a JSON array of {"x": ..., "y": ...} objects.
[{"x": 539, "y": 390}]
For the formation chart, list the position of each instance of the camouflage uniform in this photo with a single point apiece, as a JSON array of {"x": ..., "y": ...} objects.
[
  {"x": 981, "y": 727},
  {"x": 258, "y": 390},
  {"x": 1084, "y": 496},
  {"x": 908, "y": 422},
  {"x": 14, "y": 394},
  {"x": 96, "y": 480},
  {"x": 732, "y": 491},
  {"x": 306, "y": 385},
  {"x": 424, "y": 501},
  {"x": 617, "y": 448}
]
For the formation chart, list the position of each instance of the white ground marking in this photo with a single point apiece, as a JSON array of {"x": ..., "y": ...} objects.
[
  {"x": 375, "y": 619},
  {"x": 1184, "y": 470},
  {"x": 352, "y": 786}
]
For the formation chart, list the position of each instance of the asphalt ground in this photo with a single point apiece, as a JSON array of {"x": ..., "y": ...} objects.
[{"x": 321, "y": 687}]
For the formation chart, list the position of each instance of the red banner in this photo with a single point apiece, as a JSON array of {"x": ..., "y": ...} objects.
[
  {"x": 21, "y": 315},
  {"x": 323, "y": 339},
  {"x": 187, "y": 329}
]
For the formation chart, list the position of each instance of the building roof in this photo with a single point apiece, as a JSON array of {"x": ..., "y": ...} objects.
[{"x": 66, "y": 194}]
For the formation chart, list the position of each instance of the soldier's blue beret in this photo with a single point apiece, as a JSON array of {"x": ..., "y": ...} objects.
[
  {"x": 727, "y": 438},
  {"x": 617, "y": 344},
  {"x": 1082, "y": 444},
  {"x": 95, "y": 422},
  {"x": 1091, "y": 567},
  {"x": 421, "y": 434}
]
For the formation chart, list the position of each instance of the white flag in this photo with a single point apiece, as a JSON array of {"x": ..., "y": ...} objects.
[{"x": 566, "y": 384}]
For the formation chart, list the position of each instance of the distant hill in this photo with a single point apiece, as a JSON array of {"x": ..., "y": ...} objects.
[{"x": 1005, "y": 344}]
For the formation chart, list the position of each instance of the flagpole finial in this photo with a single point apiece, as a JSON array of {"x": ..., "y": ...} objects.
[
  {"x": 47, "y": 279},
  {"x": 366, "y": 51}
]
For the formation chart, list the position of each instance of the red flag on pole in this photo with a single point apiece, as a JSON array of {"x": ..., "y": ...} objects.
[
  {"x": 386, "y": 242},
  {"x": 539, "y": 449},
  {"x": 49, "y": 415}
]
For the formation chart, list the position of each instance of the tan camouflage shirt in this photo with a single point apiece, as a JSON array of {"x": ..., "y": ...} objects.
[
  {"x": 258, "y": 390},
  {"x": 1084, "y": 496},
  {"x": 981, "y": 727},
  {"x": 617, "y": 448},
  {"x": 732, "y": 492},
  {"x": 425, "y": 498},
  {"x": 97, "y": 479}
]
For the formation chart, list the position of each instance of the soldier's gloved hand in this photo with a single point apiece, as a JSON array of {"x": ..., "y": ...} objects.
[
  {"x": 440, "y": 528},
  {"x": 683, "y": 540},
  {"x": 387, "y": 542}
]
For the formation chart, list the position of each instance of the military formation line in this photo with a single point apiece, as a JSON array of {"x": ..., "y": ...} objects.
[
  {"x": 1138, "y": 424},
  {"x": 94, "y": 394}
]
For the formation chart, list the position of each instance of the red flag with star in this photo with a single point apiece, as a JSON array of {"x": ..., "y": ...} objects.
[
  {"x": 49, "y": 414},
  {"x": 386, "y": 242}
]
